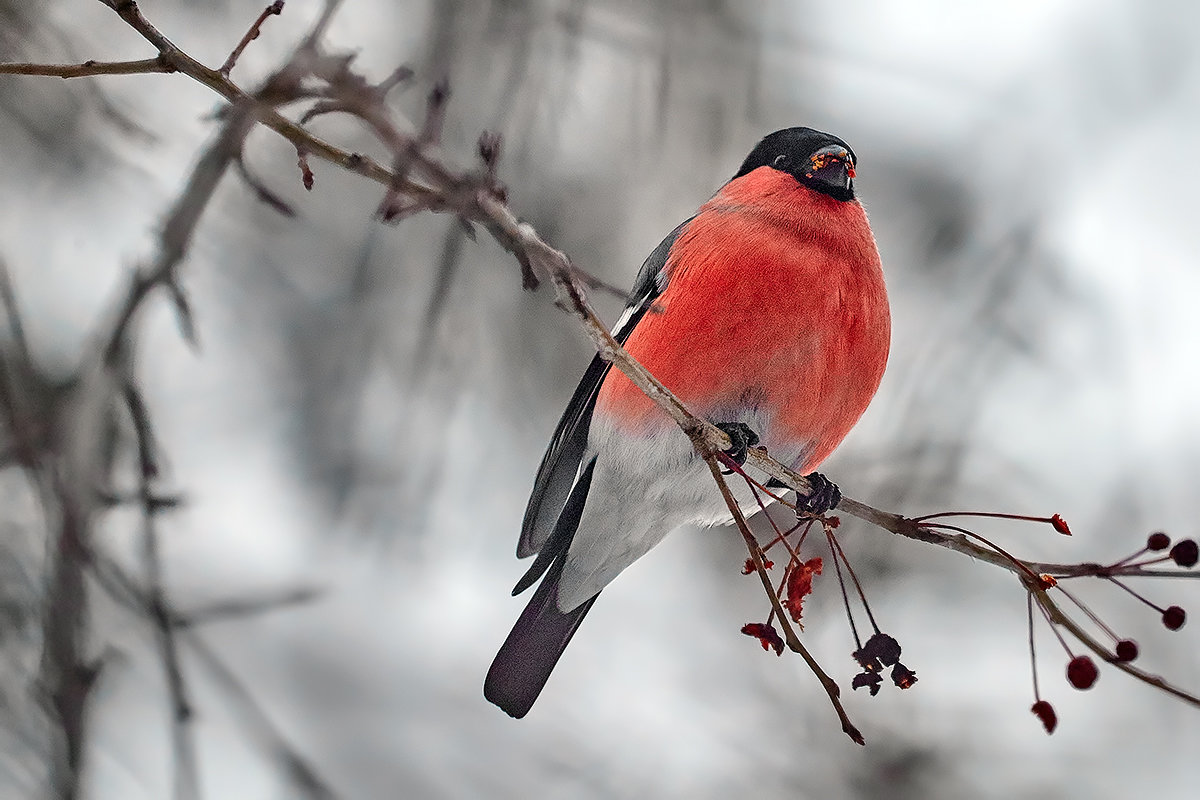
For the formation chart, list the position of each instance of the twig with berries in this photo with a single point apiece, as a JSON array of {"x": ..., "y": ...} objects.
[
  {"x": 1043, "y": 581},
  {"x": 880, "y": 650},
  {"x": 793, "y": 642}
]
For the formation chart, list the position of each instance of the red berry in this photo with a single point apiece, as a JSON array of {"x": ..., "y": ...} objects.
[
  {"x": 1185, "y": 553},
  {"x": 1158, "y": 541},
  {"x": 1045, "y": 712},
  {"x": 1174, "y": 617},
  {"x": 1082, "y": 672},
  {"x": 749, "y": 569},
  {"x": 1127, "y": 650}
]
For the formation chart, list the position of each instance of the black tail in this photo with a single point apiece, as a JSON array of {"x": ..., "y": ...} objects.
[
  {"x": 542, "y": 632},
  {"x": 529, "y": 654}
]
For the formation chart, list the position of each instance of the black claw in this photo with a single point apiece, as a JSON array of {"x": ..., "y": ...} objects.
[
  {"x": 824, "y": 495},
  {"x": 741, "y": 438}
]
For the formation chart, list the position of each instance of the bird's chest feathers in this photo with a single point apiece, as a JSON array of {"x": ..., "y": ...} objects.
[
  {"x": 759, "y": 313},
  {"x": 781, "y": 326}
]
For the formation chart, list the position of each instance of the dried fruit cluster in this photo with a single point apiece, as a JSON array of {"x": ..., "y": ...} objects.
[
  {"x": 1042, "y": 582},
  {"x": 879, "y": 652},
  {"x": 1082, "y": 671}
]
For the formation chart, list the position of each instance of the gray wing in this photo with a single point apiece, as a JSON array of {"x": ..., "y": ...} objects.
[{"x": 560, "y": 464}]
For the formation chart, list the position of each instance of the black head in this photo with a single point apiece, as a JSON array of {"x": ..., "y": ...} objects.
[{"x": 820, "y": 161}]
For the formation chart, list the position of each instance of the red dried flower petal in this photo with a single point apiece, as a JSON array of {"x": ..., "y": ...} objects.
[
  {"x": 766, "y": 634},
  {"x": 799, "y": 586},
  {"x": 1060, "y": 525},
  {"x": 1082, "y": 672},
  {"x": 1158, "y": 541},
  {"x": 1174, "y": 617},
  {"x": 1045, "y": 712},
  {"x": 902, "y": 676},
  {"x": 748, "y": 567}
]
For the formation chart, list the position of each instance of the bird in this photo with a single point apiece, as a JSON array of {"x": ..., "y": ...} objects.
[{"x": 765, "y": 313}]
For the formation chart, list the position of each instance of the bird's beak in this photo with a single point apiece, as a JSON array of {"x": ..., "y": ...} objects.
[{"x": 831, "y": 165}]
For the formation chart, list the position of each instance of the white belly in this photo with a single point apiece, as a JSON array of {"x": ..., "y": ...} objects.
[{"x": 642, "y": 489}]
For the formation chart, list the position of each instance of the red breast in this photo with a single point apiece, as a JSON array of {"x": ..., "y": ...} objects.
[{"x": 775, "y": 297}]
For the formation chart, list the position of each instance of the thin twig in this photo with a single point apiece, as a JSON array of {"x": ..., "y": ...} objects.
[
  {"x": 12, "y": 312},
  {"x": 126, "y": 591},
  {"x": 187, "y": 781},
  {"x": 239, "y": 608},
  {"x": 835, "y": 548},
  {"x": 274, "y": 9},
  {"x": 14, "y": 368},
  {"x": 794, "y": 644},
  {"x": 317, "y": 32},
  {"x": 177, "y": 234},
  {"x": 264, "y": 193},
  {"x": 1037, "y": 694},
  {"x": 300, "y": 770},
  {"x": 63, "y": 674},
  {"x": 1057, "y": 616}
]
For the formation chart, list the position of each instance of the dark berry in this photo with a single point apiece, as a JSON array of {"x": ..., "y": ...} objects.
[
  {"x": 879, "y": 649},
  {"x": 1174, "y": 617},
  {"x": 1185, "y": 553},
  {"x": 1045, "y": 712},
  {"x": 1158, "y": 541},
  {"x": 1127, "y": 650},
  {"x": 869, "y": 679},
  {"x": 1082, "y": 672}
]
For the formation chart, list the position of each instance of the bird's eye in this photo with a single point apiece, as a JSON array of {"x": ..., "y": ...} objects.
[{"x": 780, "y": 160}]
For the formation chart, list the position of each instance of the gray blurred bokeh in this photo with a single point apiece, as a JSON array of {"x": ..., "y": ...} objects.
[{"x": 369, "y": 403}]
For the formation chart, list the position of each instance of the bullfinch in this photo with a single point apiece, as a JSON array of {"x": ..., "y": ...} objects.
[{"x": 765, "y": 313}]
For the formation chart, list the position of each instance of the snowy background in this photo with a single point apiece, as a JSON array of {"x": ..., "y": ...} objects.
[{"x": 369, "y": 403}]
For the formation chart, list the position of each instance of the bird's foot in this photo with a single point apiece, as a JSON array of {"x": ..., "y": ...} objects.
[
  {"x": 823, "y": 495},
  {"x": 741, "y": 439}
]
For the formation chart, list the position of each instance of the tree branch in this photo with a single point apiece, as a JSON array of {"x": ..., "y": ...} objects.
[
  {"x": 187, "y": 781},
  {"x": 89, "y": 68}
]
